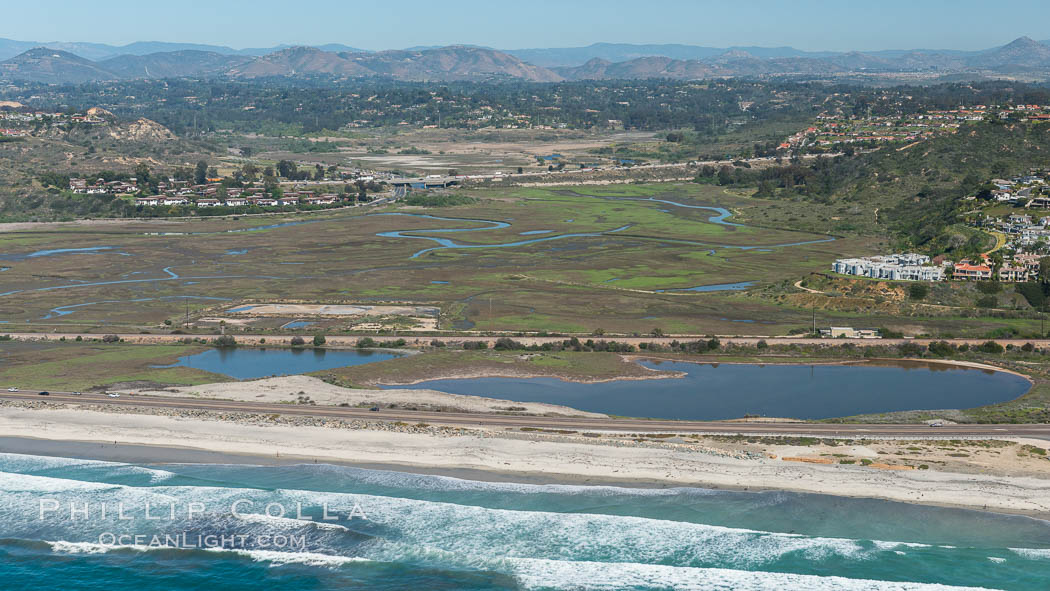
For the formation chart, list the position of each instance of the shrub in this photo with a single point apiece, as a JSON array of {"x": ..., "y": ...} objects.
[
  {"x": 989, "y": 287},
  {"x": 472, "y": 345},
  {"x": 399, "y": 343},
  {"x": 941, "y": 348},
  {"x": 1033, "y": 292},
  {"x": 988, "y": 301},
  {"x": 762, "y": 344},
  {"x": 319, "y": 340},
  {"x": 79, "y": 338},
  {"x": 437, "y": 343},
  {"x": 507, "y": 344},
  {"x": 225, "y": 341},
  {"x": 910, "y": 349},
  {"x": 990, "y": 347},
  {"x": 110, "y": 338},
  {"x": 1028, "y": 347},
  {"x": 298, "y": 341},
  {"x": 366, "y": 343},
  {"x": 918, "y": 291}
]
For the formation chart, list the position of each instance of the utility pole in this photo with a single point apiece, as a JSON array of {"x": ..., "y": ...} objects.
[{"x": 813, "y": 308}]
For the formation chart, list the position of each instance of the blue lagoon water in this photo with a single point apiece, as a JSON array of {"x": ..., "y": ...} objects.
[
  {"x": 248, "y": 363},
  {"x": 727, "y": 391},
  {"x": 395, "y": 530}
]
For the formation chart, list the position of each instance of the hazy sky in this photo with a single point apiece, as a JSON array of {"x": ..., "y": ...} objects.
[{"x": 375, "y": 24}]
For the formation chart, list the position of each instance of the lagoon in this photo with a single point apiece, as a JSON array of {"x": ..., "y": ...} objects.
[
  {"x": 248, "y": 364},
  {"x": 728, "y": 391}
]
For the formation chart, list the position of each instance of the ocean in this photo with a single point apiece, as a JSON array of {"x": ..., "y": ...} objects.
[{"x": 84, "y": 524}]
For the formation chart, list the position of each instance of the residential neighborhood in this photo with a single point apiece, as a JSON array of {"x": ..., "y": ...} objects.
[
  {"x": 833, "y": 129},
  {"x": 896, "y": 267},
  {"x": 216, "y": 193},
  {"x": 1011, "y": 268}
]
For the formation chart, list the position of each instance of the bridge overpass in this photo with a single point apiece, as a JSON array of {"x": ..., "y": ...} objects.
[{"x": 428, "y": 182}]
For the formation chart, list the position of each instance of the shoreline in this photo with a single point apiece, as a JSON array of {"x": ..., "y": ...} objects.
[
  {"x": 160, "y": 455},
  {"x": 497, "y": 456},
  {"x": 464, "y": 375}
]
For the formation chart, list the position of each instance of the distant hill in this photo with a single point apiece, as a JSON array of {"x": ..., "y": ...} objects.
[
  {"x": 53, "y": 66},
  {"x": 1021, "y": 53},
  {"x": 173, "y": 64},
  {"x": 101, "y": 51},
  {"x": 457, "y": 62},
  {"x": 621, "y": 52},
  {"x": 299, "y": 61},
  {"x": 467, "y": 62},
  {"x": 446, "y": 63}
]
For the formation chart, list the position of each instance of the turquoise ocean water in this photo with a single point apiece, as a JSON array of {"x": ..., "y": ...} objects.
[{"x": 207, "y": 527}]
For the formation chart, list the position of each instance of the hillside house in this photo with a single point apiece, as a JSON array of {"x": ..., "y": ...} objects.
[{"x": 967, "y": 271}]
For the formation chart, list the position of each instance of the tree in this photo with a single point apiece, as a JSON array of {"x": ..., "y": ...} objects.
[
  {"x": 142, "y": 173},
  {"x": 1044, "y": 270},
  {"x": 287, "y": 169},
  {"x": 765, "y": 190},
  {"x": 319, "y": 340},
  {"x": 298, "y": 341},
  {"x": 200, "y": 175}
]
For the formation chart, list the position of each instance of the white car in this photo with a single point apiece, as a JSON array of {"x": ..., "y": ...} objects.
[
  {"x": 113, "y": 395},
  {"x": 12, "y": 389}
]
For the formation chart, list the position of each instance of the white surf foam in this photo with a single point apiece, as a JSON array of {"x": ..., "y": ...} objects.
[
  {"x": 276, "y": 558},
  {"x": 1032, "y": 553},
  {"x": 600, "y": 576}
]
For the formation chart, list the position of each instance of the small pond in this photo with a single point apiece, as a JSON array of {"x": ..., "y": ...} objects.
[{"x": 249, "y": 363}]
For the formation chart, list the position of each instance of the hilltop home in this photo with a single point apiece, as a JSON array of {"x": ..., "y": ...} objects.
[{"x": 967, "y": 271}]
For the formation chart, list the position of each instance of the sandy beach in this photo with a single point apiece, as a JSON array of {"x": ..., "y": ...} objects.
[
  {"x": 290, "y": 389},
  {"x": 1010, "y": 485}
]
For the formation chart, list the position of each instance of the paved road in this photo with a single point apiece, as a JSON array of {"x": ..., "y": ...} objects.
[{"x": 566, "y": 423}]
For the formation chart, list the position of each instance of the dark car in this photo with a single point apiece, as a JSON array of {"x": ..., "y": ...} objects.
[{"x": 44, "y": 393}]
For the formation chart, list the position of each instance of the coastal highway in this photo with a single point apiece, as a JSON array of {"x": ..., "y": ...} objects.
[{"x": 494, "y": 421}]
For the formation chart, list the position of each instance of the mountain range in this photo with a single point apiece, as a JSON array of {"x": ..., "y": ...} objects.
[{"x": 463, "y": 62}]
